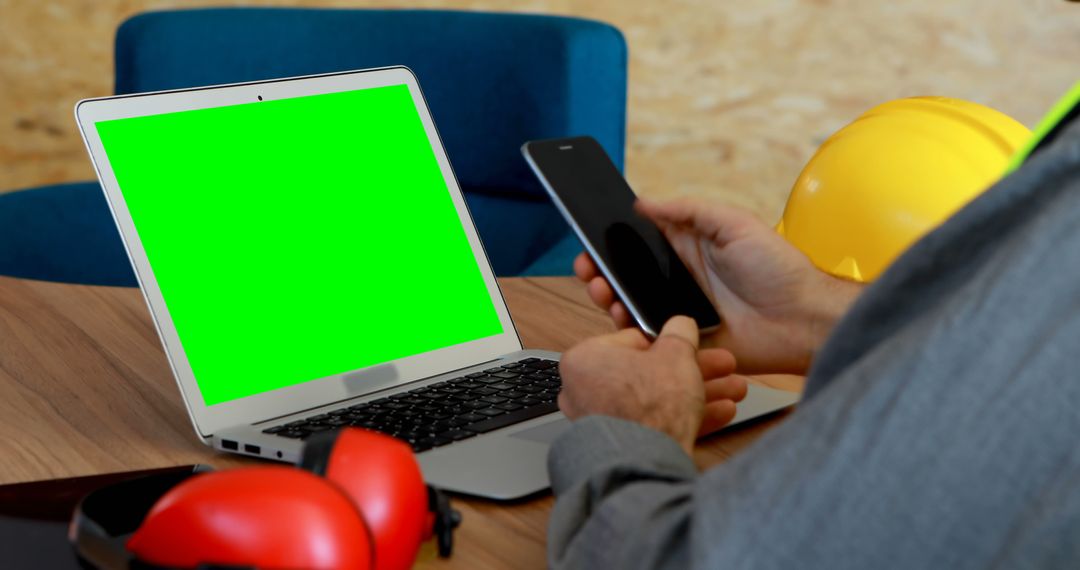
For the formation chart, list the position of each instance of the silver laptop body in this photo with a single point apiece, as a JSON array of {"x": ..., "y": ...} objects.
[{"x": 495, "y": 461}]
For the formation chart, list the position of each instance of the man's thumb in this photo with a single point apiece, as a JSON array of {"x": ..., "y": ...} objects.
[{"x": 678, "y": 331}]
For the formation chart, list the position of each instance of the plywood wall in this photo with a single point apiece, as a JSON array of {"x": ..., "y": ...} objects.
[{"x": 727, "y": 98}]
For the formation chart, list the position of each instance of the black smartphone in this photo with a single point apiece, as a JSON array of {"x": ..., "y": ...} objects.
[{"x": 630, "y": 250}]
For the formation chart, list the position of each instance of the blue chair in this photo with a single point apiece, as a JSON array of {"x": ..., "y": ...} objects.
[{"x": 492, "y": 81}]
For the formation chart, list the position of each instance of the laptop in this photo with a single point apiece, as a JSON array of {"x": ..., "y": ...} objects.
[{"x": 310, "y": 263}]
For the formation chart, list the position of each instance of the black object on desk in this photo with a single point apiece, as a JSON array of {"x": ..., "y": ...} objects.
[{"x": 34, "y": 517}]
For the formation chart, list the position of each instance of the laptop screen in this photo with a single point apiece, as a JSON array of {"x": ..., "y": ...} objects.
[{"x": 299, "y": 238}]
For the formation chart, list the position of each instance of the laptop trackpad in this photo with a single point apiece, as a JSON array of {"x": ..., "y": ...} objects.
[{"x": 545, "y": 433}]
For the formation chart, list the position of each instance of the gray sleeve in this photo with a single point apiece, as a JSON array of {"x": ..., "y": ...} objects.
[
  {"x": 629, "y": 497},
  {"x": 618, "y": 483},
  {"x": 939, "y": 431},
  {"x": 920, "y": 470}
]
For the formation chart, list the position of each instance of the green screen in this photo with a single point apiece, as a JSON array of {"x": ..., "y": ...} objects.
[{"x": 299, "y": 238}]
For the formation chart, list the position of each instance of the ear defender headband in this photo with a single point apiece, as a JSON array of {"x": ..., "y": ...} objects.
[{"x": 358, "y": 500}]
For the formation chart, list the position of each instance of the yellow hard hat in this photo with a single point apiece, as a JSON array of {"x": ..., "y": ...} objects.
[{"x": 895, "y": 173}]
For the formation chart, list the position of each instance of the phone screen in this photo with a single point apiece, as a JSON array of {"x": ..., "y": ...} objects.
[{"x": 631, "y": 251}]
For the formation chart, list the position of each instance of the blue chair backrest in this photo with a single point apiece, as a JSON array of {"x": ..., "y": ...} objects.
[{"x": 493, "y": 81}]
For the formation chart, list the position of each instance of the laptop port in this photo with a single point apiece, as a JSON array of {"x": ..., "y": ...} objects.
[
  {"x": 229, "y": 444},
  {"x": 248, "y": 448}
]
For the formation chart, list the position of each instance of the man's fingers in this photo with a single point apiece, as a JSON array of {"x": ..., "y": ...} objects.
[
  {"x": 604, "y": 297},
  {"x": 622, "y": 317},
  {"x": 601, "y": 292},
  {"x": 679, "y": 334},
  {"x": 717, "y": 415},
  {"x": 584, "y": 267},
  {"x": 727, "y": 388},
  {"x": 715, "y": 362},
  {"x": 631, "y": 338}
]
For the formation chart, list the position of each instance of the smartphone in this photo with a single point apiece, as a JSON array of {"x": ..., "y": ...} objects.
[{"x": 630, "y": 250}]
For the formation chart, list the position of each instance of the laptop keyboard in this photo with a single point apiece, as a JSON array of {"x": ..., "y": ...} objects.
[{"x": 449, "y": 411}]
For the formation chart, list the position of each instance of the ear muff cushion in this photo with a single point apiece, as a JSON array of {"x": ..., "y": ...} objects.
[
  {"x": 264, "y": 517},
  {"x": 316, "y": 452},
  {"x": 382, "y": 476}
]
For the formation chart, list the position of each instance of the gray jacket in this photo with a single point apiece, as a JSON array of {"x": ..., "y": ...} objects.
[{"x": 940, "y": 427}]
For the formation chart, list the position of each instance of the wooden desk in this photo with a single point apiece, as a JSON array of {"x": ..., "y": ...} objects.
[{"x": 85, "y": 389}]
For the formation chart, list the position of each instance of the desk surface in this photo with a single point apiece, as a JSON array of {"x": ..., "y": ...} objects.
[{"x": 85, "y": 388}]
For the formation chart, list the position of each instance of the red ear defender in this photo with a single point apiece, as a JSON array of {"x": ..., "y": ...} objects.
[
  {"x": 362, "y": 506},
  {"x": 264, "y": 517},
  {"x": 383, "y": 479}
]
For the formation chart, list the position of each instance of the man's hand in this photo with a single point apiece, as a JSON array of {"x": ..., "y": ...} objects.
[
  {"x": 669, "y": 385},
  {"x": 777, "y": 308}
]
